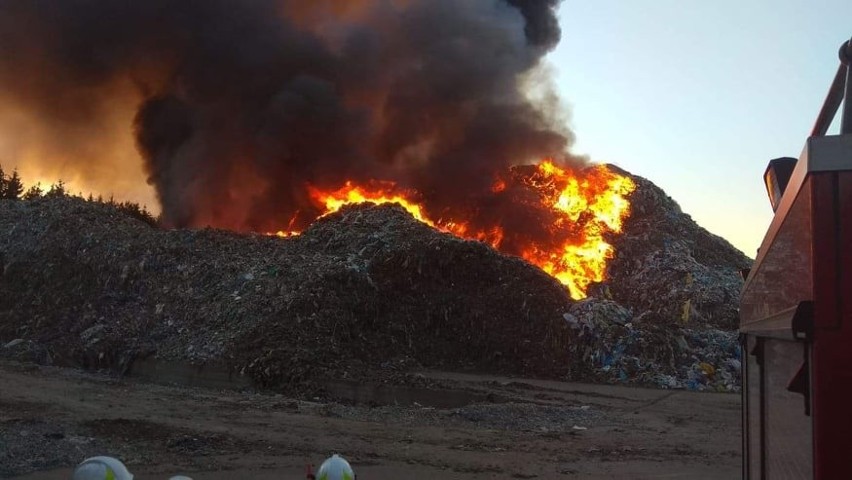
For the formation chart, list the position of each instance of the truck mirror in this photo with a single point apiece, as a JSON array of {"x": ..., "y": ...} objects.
[{"x": 776, "y": 177}]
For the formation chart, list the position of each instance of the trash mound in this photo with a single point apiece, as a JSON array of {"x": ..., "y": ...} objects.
[
  {"x": 367, "y": 292},
  {"x": 83, "y": 284},
  {"x": 667, "y": 313},
  {"x": 667, "y": 264},
  {"x": 617, "y": 346}
]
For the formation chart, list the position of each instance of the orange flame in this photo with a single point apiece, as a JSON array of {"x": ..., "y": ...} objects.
[
  {"x": 289, "y": 232},
  {"x": 585, "y": 207},
  {"x": 600, "y": 193},
  {"x": 377, "y": 192},
  {"x": 387, "y": 192}
]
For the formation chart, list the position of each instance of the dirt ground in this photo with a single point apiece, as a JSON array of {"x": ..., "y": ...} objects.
[{"x": 472, "y": 427}]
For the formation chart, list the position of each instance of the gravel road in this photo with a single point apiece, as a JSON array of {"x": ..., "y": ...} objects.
[{"x": 464, "y": 427}]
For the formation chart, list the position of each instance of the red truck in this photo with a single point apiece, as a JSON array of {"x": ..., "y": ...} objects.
[{"x": 796, "y": 309}]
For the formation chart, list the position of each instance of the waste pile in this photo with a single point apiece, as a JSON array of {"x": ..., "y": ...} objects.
[
  {"x": 667, "y": 313},
  {"x": 669, "y": 265},
  {"x": 620, "y": 347},
  {"x": 84, "y": 284},
  {"x": 364, "y": 290}
]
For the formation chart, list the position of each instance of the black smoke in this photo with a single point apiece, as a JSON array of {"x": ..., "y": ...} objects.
[{"x": 243, "y": 104}]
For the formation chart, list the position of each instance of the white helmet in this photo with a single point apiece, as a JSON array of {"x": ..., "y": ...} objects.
[
  {"x": 101, "y": 468},
  {"x": 335, "y": 468}
]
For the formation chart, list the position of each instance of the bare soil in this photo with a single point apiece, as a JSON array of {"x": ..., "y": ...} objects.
[{"x": 462, "y": 427}]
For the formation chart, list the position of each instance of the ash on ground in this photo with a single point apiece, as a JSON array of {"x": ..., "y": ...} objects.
[{"x": 365, "y": 293}]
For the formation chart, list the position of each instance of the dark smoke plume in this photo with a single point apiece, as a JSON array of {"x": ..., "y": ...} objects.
[{"x": 241, "y": 104}]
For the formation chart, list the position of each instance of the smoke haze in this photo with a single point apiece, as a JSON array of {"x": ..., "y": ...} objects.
[{"x": 233, "y": 108}]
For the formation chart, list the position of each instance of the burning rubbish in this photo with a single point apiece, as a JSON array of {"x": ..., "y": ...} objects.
[
  {"x": 364, "y": 292},
  {"x": 576, "y": 211},
  {"x": 278, "y": 116},
  {"x": 263, "y": 116}
]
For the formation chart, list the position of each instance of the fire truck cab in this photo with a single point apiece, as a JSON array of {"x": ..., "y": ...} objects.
[{"x": 796, "y": 309}]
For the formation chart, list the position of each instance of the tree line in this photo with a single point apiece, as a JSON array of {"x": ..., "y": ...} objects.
[{"x": 12, "y": 188}]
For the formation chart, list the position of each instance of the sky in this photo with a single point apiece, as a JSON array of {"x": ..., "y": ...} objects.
[{"x": 699, "y": 96}]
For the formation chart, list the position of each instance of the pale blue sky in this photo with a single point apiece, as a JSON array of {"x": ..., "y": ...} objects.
[{"x": 699, "y": 96}]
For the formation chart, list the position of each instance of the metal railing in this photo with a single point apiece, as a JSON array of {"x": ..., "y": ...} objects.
[{"x": 841, "y": 88}]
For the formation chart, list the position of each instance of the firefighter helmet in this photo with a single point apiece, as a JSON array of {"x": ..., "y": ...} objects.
[
  {"x": 335, "y": 468},
  {"x": 101, "y": 468}
]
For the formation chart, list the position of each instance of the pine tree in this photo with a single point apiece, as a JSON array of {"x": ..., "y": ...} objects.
[
  {"x": 57, "y": 190},
  {"x": 2, "y": 183},
  {"x": 33, "y": 192},
  {"x": 14, "y": 187}
]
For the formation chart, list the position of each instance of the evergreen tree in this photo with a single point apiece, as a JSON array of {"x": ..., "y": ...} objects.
[
  {"x": 2, "y": 183},
  {"x": 33, "y": 192},
  {"x": 57, "y": 190},
  {"x": 14, "y": 187}
]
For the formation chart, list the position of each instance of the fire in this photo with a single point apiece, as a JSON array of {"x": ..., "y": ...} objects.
[
  {"x": 600, "y": 194},
  {"x": 583, "y": 208},
  {"x": 289, "y": 232},
  {"x": 377, "y": 192},
  {"x": 388, "y": 192}
]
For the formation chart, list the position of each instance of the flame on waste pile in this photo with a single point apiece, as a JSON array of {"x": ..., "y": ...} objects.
[
  {"x": 582, "y": 208},
  {"x": 598, "y": 194}
]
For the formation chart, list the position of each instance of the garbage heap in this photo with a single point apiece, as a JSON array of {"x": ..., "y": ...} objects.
[
  {"x": 667, "y": 313},
  {"x": 362, "y": 292},
  {"x": 84, "y": 284}
]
